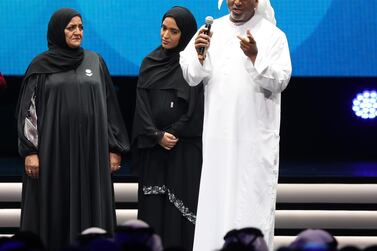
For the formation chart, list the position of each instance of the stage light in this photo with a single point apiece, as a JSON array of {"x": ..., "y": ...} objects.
[{"x": 364, "y": 105}]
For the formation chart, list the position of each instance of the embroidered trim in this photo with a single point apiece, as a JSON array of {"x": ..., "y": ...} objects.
[{"x": 154, "y": 190}]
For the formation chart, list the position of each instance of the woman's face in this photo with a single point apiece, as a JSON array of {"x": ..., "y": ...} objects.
[
  {"x": 170, "y": 33},
  {"x": 74, "y": 32}
]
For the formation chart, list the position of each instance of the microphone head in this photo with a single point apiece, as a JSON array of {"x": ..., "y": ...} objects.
[{"x": 209, "y": 20}]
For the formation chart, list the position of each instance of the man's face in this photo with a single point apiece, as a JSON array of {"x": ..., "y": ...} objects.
[{"x": 241, "y": 10}]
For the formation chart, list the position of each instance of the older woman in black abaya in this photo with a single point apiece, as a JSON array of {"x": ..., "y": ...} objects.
[
  {"x": 71, "y": 135},
  {"x": 167, "y": 135}
]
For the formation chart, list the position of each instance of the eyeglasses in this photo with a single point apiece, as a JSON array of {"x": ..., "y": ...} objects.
[{"x": 72, "y": 28}]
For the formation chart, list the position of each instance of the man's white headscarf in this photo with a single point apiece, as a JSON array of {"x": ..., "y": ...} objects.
[{"x": 264, "y": 8}]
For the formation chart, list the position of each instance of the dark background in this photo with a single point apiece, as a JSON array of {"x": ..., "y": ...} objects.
[{"x": 317, "y": 122}]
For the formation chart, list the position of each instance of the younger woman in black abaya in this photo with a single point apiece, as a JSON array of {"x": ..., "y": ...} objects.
[
  {"x": 167, "y": 134},
  {"x": 71, "y": 135}
]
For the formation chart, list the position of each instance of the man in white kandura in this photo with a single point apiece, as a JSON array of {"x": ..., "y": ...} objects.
[{"x": 245, "y": 67}]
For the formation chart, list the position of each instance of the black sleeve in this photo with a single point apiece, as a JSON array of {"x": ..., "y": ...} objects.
[
  {"x": 28, "y": 89},
  {"x": 190, "y": 124},
  {"x": 178, "y": 127},
  {"x": 117, "y": 132},
  {"x": 145, "y": 133}
]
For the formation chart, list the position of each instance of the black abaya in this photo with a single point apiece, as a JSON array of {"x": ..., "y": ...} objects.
[
  {"x": 169, "y": 179},
  {"x": 79, "y": 124}
]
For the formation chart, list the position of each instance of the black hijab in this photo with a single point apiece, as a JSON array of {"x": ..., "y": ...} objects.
[
  {"x": 59, "y": 57},
  {"x": 186, "y": 23},
  {"x": 161, "y": 69}
]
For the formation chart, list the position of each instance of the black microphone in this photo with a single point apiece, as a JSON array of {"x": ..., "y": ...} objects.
[{"x": 208, "y": 24}]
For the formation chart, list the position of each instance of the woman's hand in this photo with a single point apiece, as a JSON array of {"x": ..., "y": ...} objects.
[
  {"x": 115, "y": 160},
  {"x": 32, "y": 166},
  {"x": 168, "y": 141}
]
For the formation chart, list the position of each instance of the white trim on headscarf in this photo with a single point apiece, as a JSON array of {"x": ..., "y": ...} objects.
[
  {"x": 264, "y": 8},
  {"x": 219, "y": 4}
]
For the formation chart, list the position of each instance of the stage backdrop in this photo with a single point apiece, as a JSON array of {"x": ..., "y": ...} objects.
[{"x": 326, "y": 37}]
